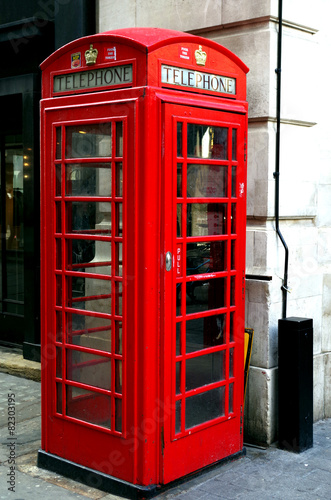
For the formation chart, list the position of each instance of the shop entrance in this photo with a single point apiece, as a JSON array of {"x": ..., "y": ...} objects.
[
  {"x": 11, "y": 221},
  {"x": 204, "y": 209}
]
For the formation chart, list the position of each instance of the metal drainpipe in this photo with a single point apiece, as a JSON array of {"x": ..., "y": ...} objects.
[{"x": 278, "y": 70}]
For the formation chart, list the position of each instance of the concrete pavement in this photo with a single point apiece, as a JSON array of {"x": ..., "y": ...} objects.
[{"x": 262, "y": 474}]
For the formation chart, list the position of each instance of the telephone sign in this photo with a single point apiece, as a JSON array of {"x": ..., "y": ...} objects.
[{"x": 143, "y": 196}]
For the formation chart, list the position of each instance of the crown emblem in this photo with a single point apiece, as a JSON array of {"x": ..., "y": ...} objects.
[
  {"x": 200, "y": 56},
  {"x": 91, "y": 55}
]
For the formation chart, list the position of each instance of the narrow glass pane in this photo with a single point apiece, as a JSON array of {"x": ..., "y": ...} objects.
[
  {"x": 234, "y": 144},
  {"x": 58, "y": 254},
  {"x": 205, "y": 370},
  {"x": 118, "y": 376},
  {"x": 119, "y": 180},
  {"x": 92, "y": 179},
  {"x": 119, "y": 139},
  {"x": 89, "y": 369},
  {"x": 206, "y": 219},
  {"x": 204, "y": 295},
  {"x": 89, "y": 294},
  {"x": 58, "y": 181},
  {"x": 178, "y": 416},
  {"x": 179, "y": 180},
  {"x": 233, "y": 219},
  {"x": 58, "y": 146},
  {"x": 205, "y": 141},
  {"x": 178, "y": 299},
  {"x": 118, "y": 299},
  {"x": 118, "y": 267},
  {"x": 119, "y": 219},
  {"x": 205, "y": 257},
  {"x": 58, "y": 218},
  {"x": 89, "y": 331},
  {"x": 204, "y": 407},
  {"x": 59, "y": 398},
  {"x": 179, "y": 220},
  {"x": 231, "y": 398},
  {"x": 234, "y": 182},
  {"x": 88, "y": 406},
  {"x": 59, "y": 328},
  {"x": 58, "y": 362},
  {"x": 233, "y": 291},
  {"x": 58, "y": 291},
  {"x": 233, "y": 254},
  {"x": 207, "y": 332},
  {"x": 232, "y": 319},
  {"x": 118, "y": 337},
  {"x": 118, "y": 415},
  {"x": 178, "y": 377},
  {"x": 88, "y": 141},
  {"x": 231, "y": 353},
  {"x": 206, "y": 181},
  {"x": 88, "y": 217},
  {"x": 179, "y": 139},
  {"x": 178, "y": 339}
]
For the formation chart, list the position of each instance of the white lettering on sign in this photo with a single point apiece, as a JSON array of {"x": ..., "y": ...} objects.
[
  {"x": 95, "y": 78},
  {"x": 197, "y": 80}
]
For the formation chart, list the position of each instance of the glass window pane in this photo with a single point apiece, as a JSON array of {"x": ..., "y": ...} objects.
[
  {"x": 179, "y": 180},
  {"x": 205, "y": 257},
  {"x": 178, "y": 416},
  {"x": 233, "y": 254},
  {"x": 89, "y": 294},
  {"x": 119, "y": 219},
  {"x": 119, "y": 139},
  {"x": 232, "y": 291},
  {"x": 179, "y": 220},
  {"x": 58, "y": 182},
  {"x": 234, "y": 144},
  {"x": 88, "y": 406},
  {"x": 204, "y": 407},
  {"x": 118, "y": 298},
  {"x": 231, "y": 398},
  {"x": 204, "y": 295},
  {"x": 118, "y": 415},
  {"x": 178, "y": 299},
  {"x": 93, "y": 179},
  {"x": 88, "y": 141},
  {"x": 205, "y": 141},
  {"x": 206, "y": 332},
  {"x": 118, "y": 267},
  {"x": 205, "y": 370},
  {"x": 119, "y": 180},
  {"x": 233, "y": 219},
  {"x": 179, "y": 139},
  {"x": 81, "y": 253},
  {"x": 118, "y": 376},
  {"x": 178, "y": 339},
  {"x": 234, "y": 182},
  {"x": 89, "y": 369},
  {"x": 206, "y": 219},
  {"x": 232, "y": 319},
  {"x": 58, "y": 362},
  {"x": 86, "y": 217},
  {"x": 178, "y": 377},
  {"x": 58, "y": 147},
  {"x": 89, "y": 331},
  {"x": 231, "y": 362},
  {"x": 118, "y": 337},
  {"x": 207, "y": 181}
]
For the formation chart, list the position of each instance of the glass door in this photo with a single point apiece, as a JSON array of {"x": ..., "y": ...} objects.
[
  {"x": 204, "y": 332},
  {"x": 12, "y": 228},
  {"x": 84, "y": 272}
]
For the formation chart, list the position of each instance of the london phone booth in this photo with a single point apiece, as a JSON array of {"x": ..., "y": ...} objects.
[{"x": 143, "y": 195}]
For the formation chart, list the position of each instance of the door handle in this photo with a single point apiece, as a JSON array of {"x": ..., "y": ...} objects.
[{"x": 168, "y": 261}]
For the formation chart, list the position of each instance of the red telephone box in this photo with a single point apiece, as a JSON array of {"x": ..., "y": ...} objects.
[{"x": 143, "y": 197}]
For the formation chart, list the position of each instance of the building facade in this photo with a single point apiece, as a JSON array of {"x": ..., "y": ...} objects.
[
  {"x": 32, "y": 30},
  {"x": 250, "y": 30}
]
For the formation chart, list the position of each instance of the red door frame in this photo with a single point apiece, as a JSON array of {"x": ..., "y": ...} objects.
[{"x": 213, "y": 440}]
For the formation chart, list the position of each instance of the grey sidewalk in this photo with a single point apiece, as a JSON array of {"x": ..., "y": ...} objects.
[{"x": 260, "y": 475}]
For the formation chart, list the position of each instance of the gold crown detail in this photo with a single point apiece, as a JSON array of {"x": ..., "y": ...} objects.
[
  {"x": 91, "y": 55},
  {"x": 200, "y": 56}
]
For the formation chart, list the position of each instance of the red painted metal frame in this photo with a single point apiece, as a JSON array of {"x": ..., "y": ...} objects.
[{"x": 147, "y": 450}]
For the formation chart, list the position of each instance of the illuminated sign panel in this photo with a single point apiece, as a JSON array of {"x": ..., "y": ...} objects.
[
  {"x": 190, "y": 78},
  {"x": 94, "y": 78}
]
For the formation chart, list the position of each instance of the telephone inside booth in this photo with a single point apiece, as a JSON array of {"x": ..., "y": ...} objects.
[{"x": 143, "y": 257}]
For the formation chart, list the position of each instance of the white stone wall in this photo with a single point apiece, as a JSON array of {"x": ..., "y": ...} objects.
[{"x": 249, "y": 29}]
